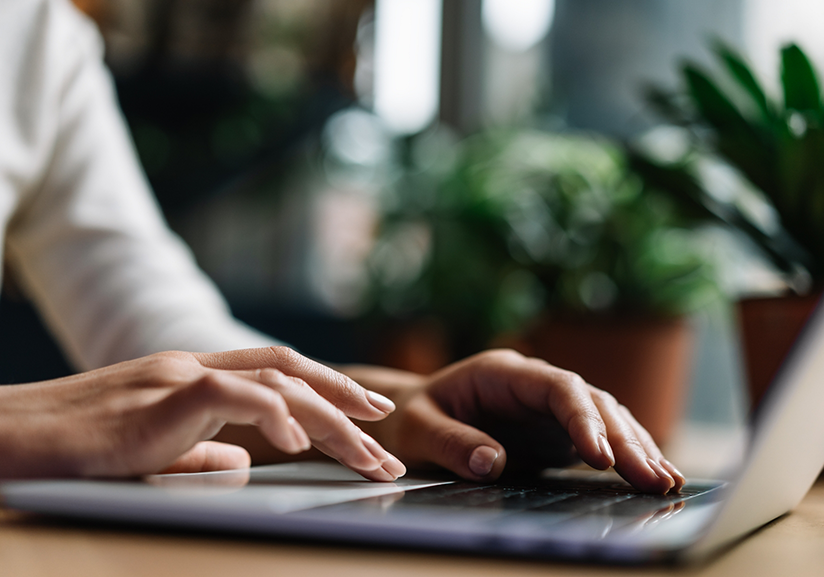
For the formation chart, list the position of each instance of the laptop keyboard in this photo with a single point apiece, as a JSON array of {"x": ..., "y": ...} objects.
[{"x": 563, "y": 498}]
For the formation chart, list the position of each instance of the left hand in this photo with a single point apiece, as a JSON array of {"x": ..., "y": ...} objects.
[
  {"x": 474, "y": 416},
  {"x": 157, "y": 413}
]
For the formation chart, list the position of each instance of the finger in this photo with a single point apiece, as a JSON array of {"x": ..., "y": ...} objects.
[
  {"x": 652, "y": 449},
  {"x": 329, "y": 429},
  {"x": 337, "y": 388},
  {"x": 436, "y": 438},
  {"x": 632, "y": 461},
  {"x": 210, "y": 456},
  {"x": 502, "y": 376},
  {"x": 197, "y": 411},
  {"x": 678, "y": 476},
  {"x": 390, "y": 470}
]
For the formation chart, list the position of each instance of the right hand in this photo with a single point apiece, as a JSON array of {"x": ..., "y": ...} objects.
[
  {"x": 156, "y": 414},
  {"x": 498, "y": 407}
]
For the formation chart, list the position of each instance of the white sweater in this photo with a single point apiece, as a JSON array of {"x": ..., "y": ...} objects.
[{"x": 82, "y": 231}]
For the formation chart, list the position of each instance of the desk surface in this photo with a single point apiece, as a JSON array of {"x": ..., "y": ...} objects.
[{"x": 31, "y": 546}]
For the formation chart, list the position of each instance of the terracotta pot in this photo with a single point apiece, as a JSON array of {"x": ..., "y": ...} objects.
[
  {"x": 769, "y": 326},
  {"x": 644, "y": 363},
  {"x": 421, "y": 346}
]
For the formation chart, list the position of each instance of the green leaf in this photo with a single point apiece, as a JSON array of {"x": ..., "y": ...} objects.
[
  {"x": 688, "y": 192},
  {"x": 682, "y": 186},
  {"x": 801, "y": 89},
  {"x": 746, "y": 79},
  {"x": 745, "y": 145},
  {"x": 714, "y": 105}
]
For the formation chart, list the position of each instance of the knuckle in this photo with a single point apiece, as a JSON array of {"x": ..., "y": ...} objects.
[
  {"x": 571, "y": 380},
  {"x": 538, "y": 361},
  {"x": 269, "y": 375},
  {"x": 168, "y": 368},
  {"x": 345, "y": 388},
  {"x": 300, "y": 385},
  {"x": 451, "y": 443},
  {"x": 502, "y": 357},
  {"x": 173, "y": 355},
  {"x": 606, "y": 398},
  {"x": 286, "y": 357},
  {"x": 208, "y": 389},
  {"x": 634, "y": 444}
]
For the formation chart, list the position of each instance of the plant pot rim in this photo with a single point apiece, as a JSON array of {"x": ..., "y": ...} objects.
[
  {"x": 815, "y": 291},
  {"x": 610, "y": 318}
]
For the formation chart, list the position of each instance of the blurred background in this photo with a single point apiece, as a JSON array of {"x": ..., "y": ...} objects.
[{"x": 283, "y": 138}]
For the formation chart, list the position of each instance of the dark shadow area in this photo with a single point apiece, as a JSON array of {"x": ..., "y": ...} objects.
[{"x": 29, "y": 352}]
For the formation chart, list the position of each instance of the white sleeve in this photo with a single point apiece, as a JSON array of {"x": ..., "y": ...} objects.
[{"x": 88, "y": 243}]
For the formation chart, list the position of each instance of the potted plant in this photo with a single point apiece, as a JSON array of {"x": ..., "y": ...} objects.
[
  {"x": 776, "y": 148},
  {"x": 547, "y": 243}
]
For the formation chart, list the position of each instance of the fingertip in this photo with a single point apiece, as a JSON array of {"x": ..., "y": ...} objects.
[
  {"x": 394, "y": 466},
  {"x": 380, "y": 475},
  {"x": 379, "y": 402},
  {"x": 365, "y": 405},
  {"x": 365, "y": 411},
  {"x": 300, "y": 440},
  {"x": 604, "y": 458},
  {"x": 482, "y": 460},
  {"x": 678, "y": 476},
  {"x": 662, "y": 474},
  {"x": 388, "y": 471},
  {"x": 225, "y": 456},
  {"x": 391, "y": 469},
  {"x": 588, "y": 433},
  {"x": 646, "y": 475},
  {"x": 485, "y": 463},
  {"x": 597, "y": 452},
  {"x": 606, "y": 450},
  {"x": 242, "y": 458}
]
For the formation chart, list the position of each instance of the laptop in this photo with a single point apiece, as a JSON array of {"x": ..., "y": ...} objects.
[{"x": 570, "y": 514}]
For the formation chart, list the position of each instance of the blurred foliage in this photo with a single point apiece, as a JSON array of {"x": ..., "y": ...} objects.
[
  {"x": 222, "y": 92},
  {"x": 774, "y": 147},
  {"x": 487, "y": 233}
]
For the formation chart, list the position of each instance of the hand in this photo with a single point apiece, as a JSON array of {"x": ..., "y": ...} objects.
[
  {"x": 477, "y": 415},
  {"x": 154, "y": 414}
]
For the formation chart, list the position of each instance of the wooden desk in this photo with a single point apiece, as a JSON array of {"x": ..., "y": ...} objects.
[{"x": 33, "y": 547}]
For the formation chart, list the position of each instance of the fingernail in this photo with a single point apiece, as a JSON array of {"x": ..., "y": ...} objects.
[
  {"x": 606, "y": 450},
  {"x": 302, "y": 442},
  {"x": 394, "y": 467},
  {"x": 679, "y": 476},
  {"x": 382, "y": 475},
  {"x": 482, "y": 460},
  {"x": 373, "y": 447},
  {"x": 661, "y": 472},
  {"x": 380, "y": 402}
]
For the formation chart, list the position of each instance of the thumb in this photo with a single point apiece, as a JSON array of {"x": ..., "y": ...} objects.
[
  {"x": 210, "y": 456},
  {"x": 438, "y": 438}
]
